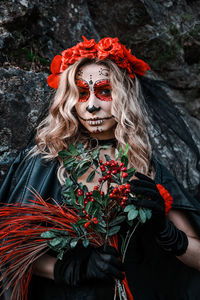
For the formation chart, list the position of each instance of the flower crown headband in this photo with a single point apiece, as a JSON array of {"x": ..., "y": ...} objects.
[{"x": 106, "y": 48}]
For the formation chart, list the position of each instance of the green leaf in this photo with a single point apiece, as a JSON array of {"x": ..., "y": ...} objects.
[
  {"x": 61, "y": 232},
  {"x": 88, "y": 207},
  {"x": 107, "y": 157},
  {"x": 96, "y": 163},
  {"x": 126, "y": 149},
  {"x": 81, "y": 200},
  {"x": 100, "y": 228},
  {"x": 132, "y": 214},
  {"x": 72, "y": 195},
  {"x": 82, "y": 169},
  {"x": 120, "y": 151},
  {"x": 113, "y": 230},
  {"x": 117, "y": 220},
  {"x": 58, "y": 241},
  {"x": 124, "y": 159},
  {"x": 48, "y": 234},
  {"x": 85, "y": 243},
  {"x": 60, "y": 254},
  {"x": 95, "y": 154},
  {"x": 70, "y": 166},
  {"x": 129, "y": 207},
  {"x": 142, "y": 215},
  {"x": 81, "y": 222},
  {"x": 106, "y": 200},
  {"x": 97, "y": 196},
  {"x": 68, "y": 200},
  {"x": 148, "y": 213},
  {"x": 69, "y": 161},
  {"x": 68, "y": 182},
  {"x": 74, "y": 242},
  {"x": 94, "y": 211},
  {"x": 73, "y": 149},
  {"x": 102, "y": 222},
  {"x": 85, "y": 188},
  {"x": 91, "y": 176},
  {"x": 130, "y": 173},
  {"x": 64, "y": 153},
  {"x": 76, "y": 229}
]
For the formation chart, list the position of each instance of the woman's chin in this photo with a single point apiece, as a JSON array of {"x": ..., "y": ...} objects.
[{"x": 101, "y": 133}]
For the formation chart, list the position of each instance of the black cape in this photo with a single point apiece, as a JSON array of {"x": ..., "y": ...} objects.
[{"x": 151, "y": 274}]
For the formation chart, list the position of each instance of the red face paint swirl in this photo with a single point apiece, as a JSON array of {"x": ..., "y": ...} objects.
[{"x": 102, "y": 90}]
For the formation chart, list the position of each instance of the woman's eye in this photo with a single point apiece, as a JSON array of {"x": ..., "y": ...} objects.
[
  {"x": 106, "y": 92},
  {"x": 83, "y": 94}
]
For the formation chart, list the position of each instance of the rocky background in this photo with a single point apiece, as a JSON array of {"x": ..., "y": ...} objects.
[{"x": 164, "y": 33}]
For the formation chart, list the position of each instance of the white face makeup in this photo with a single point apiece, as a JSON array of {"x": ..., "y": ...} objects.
[{"x": 94, "y": 105}]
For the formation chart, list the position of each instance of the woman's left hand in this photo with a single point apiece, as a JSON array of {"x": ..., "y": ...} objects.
[
  {"x": 146, "y": 186},
  {"x": 168, "y": 236}
]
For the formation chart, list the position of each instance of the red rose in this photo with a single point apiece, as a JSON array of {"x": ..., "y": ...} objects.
[
  {"x": 87, "y": 45},
  {"x": 107, "y": 47},
  {"x": 53, "y": 81},
  {"x": 138, "y": 65},
  {"x": 56, "y": 63}
]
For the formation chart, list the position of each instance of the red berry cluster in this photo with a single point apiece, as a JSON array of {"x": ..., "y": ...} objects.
[
  {"x": 88, "y": 198},
  {"x": 121, "y": 194},
  {"x": 110, "y": 168},
  {"x": 93, "y": 220}
]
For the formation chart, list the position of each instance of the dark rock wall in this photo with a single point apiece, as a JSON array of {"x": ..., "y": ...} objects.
[{"x": 164, "y": 33}]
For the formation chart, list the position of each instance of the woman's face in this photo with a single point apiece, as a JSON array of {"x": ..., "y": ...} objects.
[{"x": 94, "y": 105}]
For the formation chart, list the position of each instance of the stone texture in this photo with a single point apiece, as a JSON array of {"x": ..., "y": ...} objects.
[
  {"x": 164, "y": 33},
  {"x": 24, "y": 96}
]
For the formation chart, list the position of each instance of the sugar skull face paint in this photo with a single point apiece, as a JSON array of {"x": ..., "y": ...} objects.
[
  {"x": 101, "y": 89},
  {"x": 94, "y": 105}
]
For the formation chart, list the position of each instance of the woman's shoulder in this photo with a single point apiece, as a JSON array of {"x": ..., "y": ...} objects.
[{"x": 28, "y": 172}]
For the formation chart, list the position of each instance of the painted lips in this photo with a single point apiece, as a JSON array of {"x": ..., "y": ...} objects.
[{"x": 95, "y": 121}]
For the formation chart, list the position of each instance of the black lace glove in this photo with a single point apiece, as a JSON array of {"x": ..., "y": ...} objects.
[
  {"x": 81, "y": 264},
  {"x": 168, "y": 236}
]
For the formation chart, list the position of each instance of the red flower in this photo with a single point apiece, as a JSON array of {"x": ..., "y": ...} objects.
[
  {"x": 166, "y": 196},
  {"x": 56, "y": 63},
  {"x": 106, "y": 48},
  {"x": 138, "y": 65},
  {"x": 87, "y": 45},
  {"x": 53, "y": 79}
]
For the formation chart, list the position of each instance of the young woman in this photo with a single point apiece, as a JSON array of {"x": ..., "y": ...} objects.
[{"x": 99, "y": 102}]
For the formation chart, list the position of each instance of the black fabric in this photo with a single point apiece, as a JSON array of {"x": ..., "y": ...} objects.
[
  {"x": 167, "y": 119},
  {"x": 168, "y": 236},
  {"x": 80, "y": 265},
  {"x": 151, "y": 273},
  {"x": 171, "y": 239}
]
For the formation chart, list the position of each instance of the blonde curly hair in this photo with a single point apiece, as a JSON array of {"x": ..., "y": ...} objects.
[{"x": 62, "y": 127}]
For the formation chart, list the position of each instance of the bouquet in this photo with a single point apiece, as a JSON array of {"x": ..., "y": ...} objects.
[{"x": 91, "y": 217}]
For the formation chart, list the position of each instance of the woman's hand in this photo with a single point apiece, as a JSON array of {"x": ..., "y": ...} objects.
[
  {"x": 81, "y": 264},
  {"x": 168, "y": 236}
]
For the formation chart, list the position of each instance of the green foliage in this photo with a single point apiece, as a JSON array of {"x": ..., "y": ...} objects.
[{"x": 101, "y": 213}]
